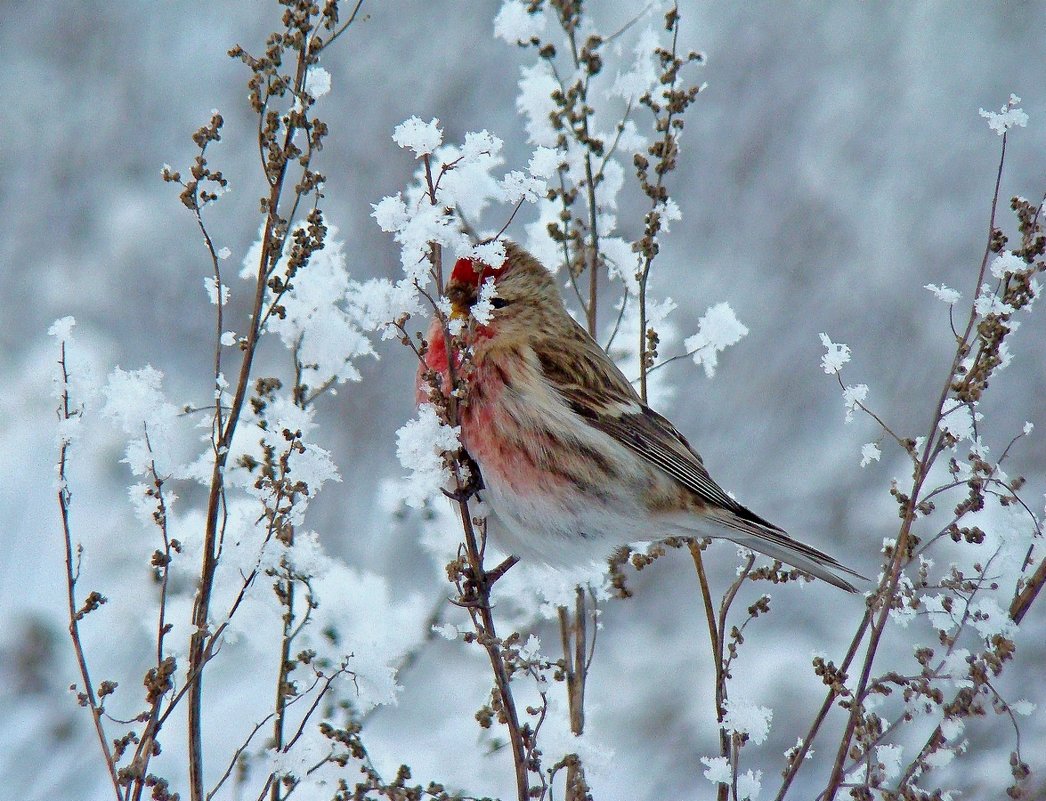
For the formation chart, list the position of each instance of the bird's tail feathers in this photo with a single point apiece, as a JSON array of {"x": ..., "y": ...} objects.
[{"x": 771, "y": 541}]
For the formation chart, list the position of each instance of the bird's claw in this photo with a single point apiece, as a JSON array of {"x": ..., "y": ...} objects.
[
  {"x": 469, "y": 601},
  {"x": 471, "y": 597}
]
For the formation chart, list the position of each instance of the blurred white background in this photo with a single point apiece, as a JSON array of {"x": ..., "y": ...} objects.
[{"x": 835, "y": 164}]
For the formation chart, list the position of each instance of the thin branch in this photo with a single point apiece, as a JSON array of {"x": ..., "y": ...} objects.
[
  {"x": 271, "y": 247},
  {"x": 65, "y": 412},
  {"x": 328, "y": 681},
  {"x": 892, "y": 577},
  {"x": 345, "y": 27},
  {"x": 617, "y": 323},
  {"x": 236, "y": 755},
  {"x": 800, "y": 755},
  {"x": 1023, "y": 600},
  {"x": 717, "y": 656},
  {"x": 508, "y": 222}
]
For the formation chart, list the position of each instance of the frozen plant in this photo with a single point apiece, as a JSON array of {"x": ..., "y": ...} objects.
[
  {"x": 239, "y": 586},
  {"x": 970, "y": 570}
]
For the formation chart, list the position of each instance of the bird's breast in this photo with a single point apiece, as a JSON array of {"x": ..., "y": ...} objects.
[
  {"x": 499, "y": 430},
  {"x": 524, "y": 435}
]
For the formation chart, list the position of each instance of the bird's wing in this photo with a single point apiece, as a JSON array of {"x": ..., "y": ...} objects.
[{"x": 594, "y": 388}]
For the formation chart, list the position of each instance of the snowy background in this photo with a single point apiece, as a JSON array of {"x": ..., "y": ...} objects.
[{"x": 835, "y": 164}]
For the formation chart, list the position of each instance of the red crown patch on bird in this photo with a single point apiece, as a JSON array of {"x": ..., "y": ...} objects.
[{"x": 470, "y": 271}]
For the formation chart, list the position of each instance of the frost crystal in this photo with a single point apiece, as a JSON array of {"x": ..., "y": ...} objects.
[
  {"x": 990, "y": 619},
  {"x": 958, "y": 419},
  {"x": 717, "y": 330},
  {"x": 536, "y": 88},
  {"x": 952, "y": 728},
  {"x": 988, "y": 302},
  {"x": 749, "y": 785},
  {"x": 143, "y": 501},
  {"x": 466, "y": 183},
  {"x": 482, "y": 143},
  {"x": 889, "y": 756},
  {"x": 743, "y": 717},
  {"x": 514, "y": 23},
  {"x": 517, "y": 187},
  {"x": 644, "y": 74},
  {"x": 940, "y": 618},
  {"x": 1007, "y": 117},
  {"x": 948, "y": 295},
  {"x": 312, "y": 465},
  {"x": 62, "y": 329},
  {"x": 904, "y": 612},
  {"x": 531, "y": 648},
  {"x": 869, "y": 453},
  {"x": 940, "y": 758},
  {"x": 210, "y": 283},
  {"x": 390, "y": 213},
  {"x": 1007, "y": 263},
  {"x": 320, "y": 323},
  {"x": 659, "y": 389},
  {"x": 420, "y": 445},
  {"x": 799, "y": 744},
  {"x": 858, "y": 774},
  {"x": 447, "y": 631},
  {"x": 545, "y": 162},
  {"x": 135, "y": 400},
  {"x": 462, "y": 180},
  {"x": 483, "y": 309},
  {"x": 421, "y": 137},
  {"x": 1005, "y": 355},
  {"x": 317, "y": 82},
  {"x": 853, "y": 396},
  {"x": 622, "y": 262},
  {"x": 956, "y": 666},
  {"x": 670, "y": 212},
  {"x": 224, "y": 253},
  {"x": 717, "y": 769},
  {"x": 378, "y": 302},
  {"x": 657, "y": 312},
  {"x": 836, "y": 356},
  {"x": 489, "y": 253},
  {"x": 1023, "y": 707}
]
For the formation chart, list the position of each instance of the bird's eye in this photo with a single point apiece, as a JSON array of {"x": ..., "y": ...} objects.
[{"x": 498, "y": 303}]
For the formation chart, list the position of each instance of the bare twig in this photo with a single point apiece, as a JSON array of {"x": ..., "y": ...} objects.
[
  {"x": 891, "y": 578},
  {"x": 277, "y": 161},
  {"x": 1026, "y": 597},
  {"x": 87, "y": 696}
]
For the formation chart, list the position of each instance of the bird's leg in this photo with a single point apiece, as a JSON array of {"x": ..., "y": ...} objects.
[
  {"x": 475, "y": 478},
  {"x": 475, "y": 582},
  {"x": 470, "y": 586},
  {"x": 467, "y": 600},
  {"x": 469, "y": 485},
  {"x": 471, "y": 596}
]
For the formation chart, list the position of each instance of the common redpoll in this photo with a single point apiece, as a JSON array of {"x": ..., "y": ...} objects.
[{"x": 573, "y": 463}]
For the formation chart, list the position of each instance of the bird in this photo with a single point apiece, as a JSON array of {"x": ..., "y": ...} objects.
[{"x": 574, "y": 464}]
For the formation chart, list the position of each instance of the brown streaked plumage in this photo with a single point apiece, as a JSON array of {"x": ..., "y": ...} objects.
[{"x": 574, "y": 463}]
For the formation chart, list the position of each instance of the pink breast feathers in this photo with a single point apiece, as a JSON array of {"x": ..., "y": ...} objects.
[
  {"x": 435, "y": 359},
  {"x": 511, "y": 454}
]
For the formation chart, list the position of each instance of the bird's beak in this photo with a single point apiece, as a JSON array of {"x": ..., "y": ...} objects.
[{"x": 459, "y": 311}]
